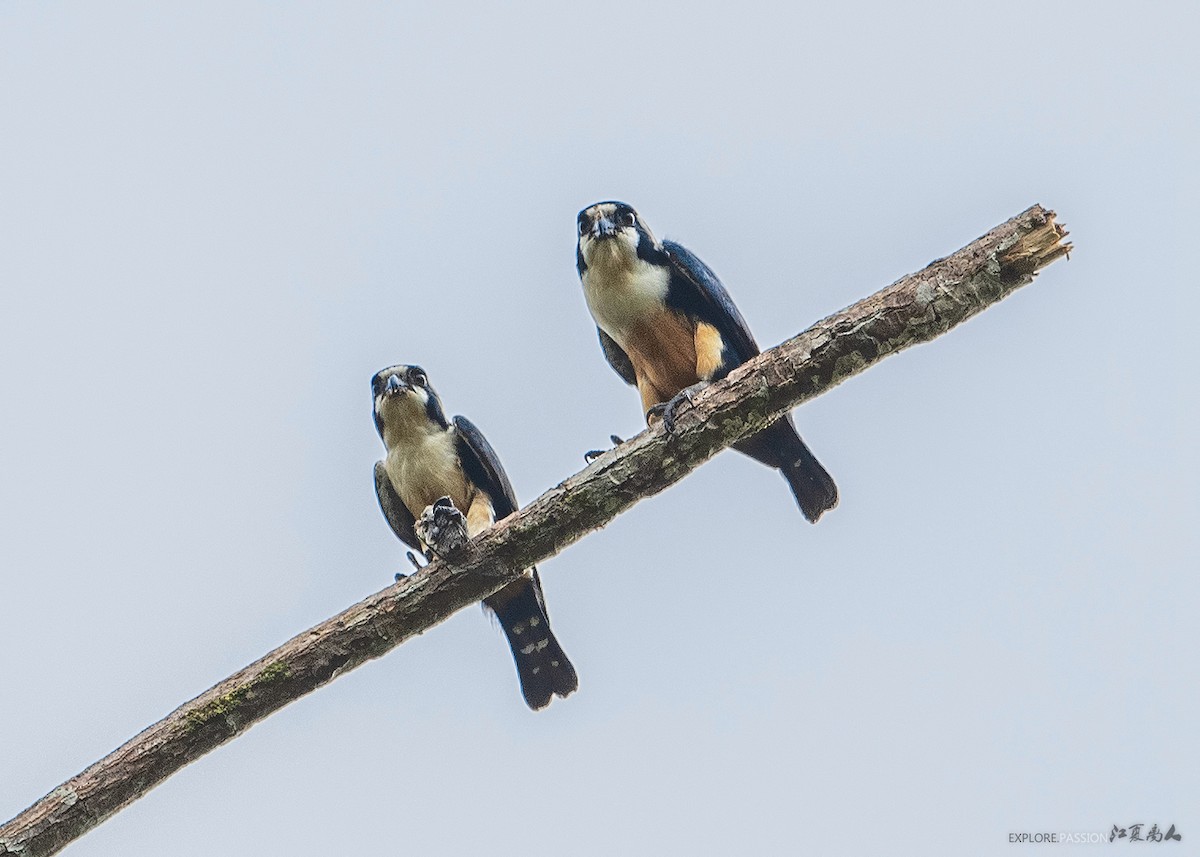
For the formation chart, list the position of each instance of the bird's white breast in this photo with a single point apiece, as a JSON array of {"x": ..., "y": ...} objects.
[
  {"x": 425, "y": 468},
  {"x": 622, "y": 290}
]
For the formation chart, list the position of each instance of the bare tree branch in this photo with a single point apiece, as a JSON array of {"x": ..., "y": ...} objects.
[{"x": 915, "y": 309}]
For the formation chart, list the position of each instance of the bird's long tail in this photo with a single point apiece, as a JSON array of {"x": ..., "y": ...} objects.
[
  {"x": 542, "y": 665},
  {"x": 779, "y": 446}
]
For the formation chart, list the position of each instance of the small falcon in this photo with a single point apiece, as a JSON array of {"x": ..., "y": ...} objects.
[
  {"x": 668, "y": 327},
  {"x": 430, "y": 457}
]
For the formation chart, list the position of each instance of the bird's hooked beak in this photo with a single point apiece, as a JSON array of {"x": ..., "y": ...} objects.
[
  {"x": 395, "y": 386},
  {"x": 603, "y": 227}
]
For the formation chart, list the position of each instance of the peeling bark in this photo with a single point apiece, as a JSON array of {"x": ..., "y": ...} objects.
[{"x": 915, "y": 309}]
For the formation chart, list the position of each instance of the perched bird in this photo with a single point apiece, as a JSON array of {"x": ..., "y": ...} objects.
[
  {"x": 430, "y": 457},
  {"x": 668, "y": 327}
]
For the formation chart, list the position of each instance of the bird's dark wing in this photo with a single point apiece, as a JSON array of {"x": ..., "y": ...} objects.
[
  {"x": 696, "y": 290},
  {"x": 394, "y": 510},
  {"x": 483, "y": 468},
  {"x": 617, "y": 358}
]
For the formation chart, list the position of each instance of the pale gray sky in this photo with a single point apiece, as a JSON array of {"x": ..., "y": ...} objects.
[{"x": 218, "y": 219}]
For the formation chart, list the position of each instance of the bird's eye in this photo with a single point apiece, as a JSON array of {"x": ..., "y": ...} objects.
[
  {"x": 583, "y": 226},
  {"x": 628, "y": 218},
  {"x": 418, "y": 379}
]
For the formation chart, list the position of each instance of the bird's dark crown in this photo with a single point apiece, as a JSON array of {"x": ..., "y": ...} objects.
[
  {"x": 619, "y": 214},
  {"x": 405, "y": 381},
  {"x": 603, "y": 222}
]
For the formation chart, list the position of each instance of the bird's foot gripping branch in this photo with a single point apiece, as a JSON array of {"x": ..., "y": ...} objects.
[{"x": 443, "y": 529}]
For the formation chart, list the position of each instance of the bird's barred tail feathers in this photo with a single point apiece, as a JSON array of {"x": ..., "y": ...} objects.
[
  {"x": 542, "y": 665},
  {"x": 778, "y": 445},
  {"x": 814, "y": 488}
]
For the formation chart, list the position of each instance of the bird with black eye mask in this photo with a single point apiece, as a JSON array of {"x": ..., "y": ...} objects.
[
  {"x": 668, "y": 327},
  {"x": 430, "y": 457}
]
